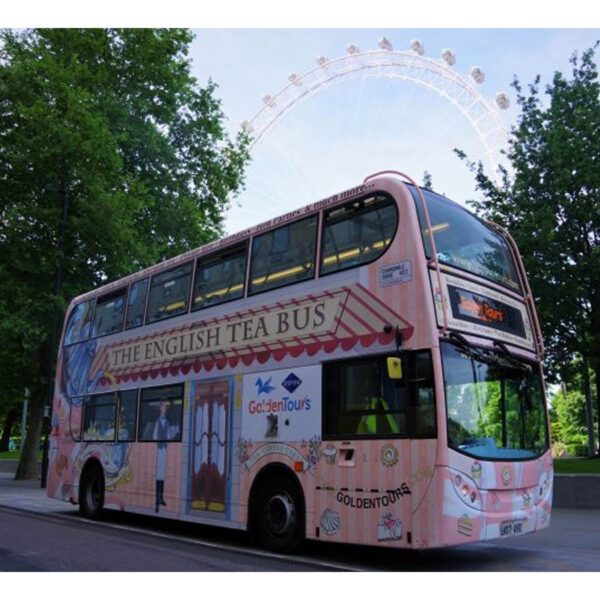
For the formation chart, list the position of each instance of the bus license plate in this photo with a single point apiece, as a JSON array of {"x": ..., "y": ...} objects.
[{"x": 515, "y": 527}]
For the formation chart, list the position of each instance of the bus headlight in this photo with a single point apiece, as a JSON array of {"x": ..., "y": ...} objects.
[{"x": 466, "y": 489}]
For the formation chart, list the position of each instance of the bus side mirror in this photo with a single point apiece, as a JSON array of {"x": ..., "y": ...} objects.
[{"x": 394, "y": 367}]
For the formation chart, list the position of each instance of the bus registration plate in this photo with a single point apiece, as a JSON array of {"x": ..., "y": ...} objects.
[{"x": 514, "y": 527}]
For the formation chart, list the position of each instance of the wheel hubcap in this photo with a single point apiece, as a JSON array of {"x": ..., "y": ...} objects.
[{"x": 281, "y": 514}]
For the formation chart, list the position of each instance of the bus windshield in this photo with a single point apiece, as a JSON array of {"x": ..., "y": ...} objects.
[
  {"x": 465, "y": 242},
  {"x": 495, "y": 404}
]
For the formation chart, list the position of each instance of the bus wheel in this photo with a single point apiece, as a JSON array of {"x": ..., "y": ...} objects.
[
  {"x": 280, "y": 516},
  {"x": 91, "y": 492}
]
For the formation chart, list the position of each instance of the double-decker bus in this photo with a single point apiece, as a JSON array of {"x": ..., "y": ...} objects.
[{"x": 366, "y": 369}]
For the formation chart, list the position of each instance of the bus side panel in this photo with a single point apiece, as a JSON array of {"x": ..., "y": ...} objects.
[
  {"x": 400, "y": 278},
  {"x": 365, "y": 499},
  {"x": 424, "y": 454}
]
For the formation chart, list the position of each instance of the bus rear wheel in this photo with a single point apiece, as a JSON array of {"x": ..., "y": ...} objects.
[
  {"x": 91, "y": 492},
  {"x": 280, "y": 515}
]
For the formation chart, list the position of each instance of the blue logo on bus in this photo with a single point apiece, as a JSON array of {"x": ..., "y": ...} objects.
[{"x": 291, "y": 383}]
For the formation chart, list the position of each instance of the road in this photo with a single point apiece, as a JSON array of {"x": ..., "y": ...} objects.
[{"x": 63, "y": 541}]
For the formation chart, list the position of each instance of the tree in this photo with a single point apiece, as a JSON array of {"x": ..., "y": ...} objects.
[
  {"x": 112, "y": 158},
  {"x": 550, "y": 202},
  {"x": 427, "y": 180}
]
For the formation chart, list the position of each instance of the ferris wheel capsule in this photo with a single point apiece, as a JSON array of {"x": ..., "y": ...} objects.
[
  {"x": 385, "y": 44},
  {"x": 448, "y": 56},
  {"x": 477, "y": 75},
  {"x": 417, "y": 46},
  {"x": 502, "y": 101}
]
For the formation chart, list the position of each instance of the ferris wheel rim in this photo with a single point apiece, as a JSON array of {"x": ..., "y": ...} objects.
[{"x": 331, "y": 70}]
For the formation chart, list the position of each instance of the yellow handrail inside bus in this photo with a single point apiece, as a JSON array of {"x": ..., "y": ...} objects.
[{"x": 226, "y": 290}]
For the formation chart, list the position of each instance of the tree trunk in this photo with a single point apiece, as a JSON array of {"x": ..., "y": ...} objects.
[
  {"x": 12, "y": 416},
  {"x": 588, "y": 407},
  {"x": 28, "y": 462}
]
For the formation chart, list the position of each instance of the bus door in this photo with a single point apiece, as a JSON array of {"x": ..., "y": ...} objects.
[{"x": 210, "y": 424}]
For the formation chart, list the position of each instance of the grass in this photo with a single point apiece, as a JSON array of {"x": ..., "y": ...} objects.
[
  {"x": 577, "y": 465},
  {"x": 14, "y": 455}
]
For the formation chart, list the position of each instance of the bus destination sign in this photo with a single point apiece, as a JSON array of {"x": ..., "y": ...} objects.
[{"x": 479, "y": 310}]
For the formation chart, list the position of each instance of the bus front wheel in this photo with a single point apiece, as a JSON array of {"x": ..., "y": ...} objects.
[
  {"x": 91, "y": 492},
  {"x": 280, "y": 515}
]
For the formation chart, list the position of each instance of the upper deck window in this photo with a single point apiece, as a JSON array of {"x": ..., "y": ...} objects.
[
  {"x": 136, "y": 304},
  {"x": 169, "y": 293},
  {"x": 220, "y": 277},
  {"x": 79, "y": 324},
  {"x": 110, "y": 310},
  {"x": 283, "y": 256},
  {"x": 465, "y": 242},
  {"x": 357, "y": 233}
]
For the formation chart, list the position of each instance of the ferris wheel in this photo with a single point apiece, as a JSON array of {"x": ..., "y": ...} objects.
[
  {"x": 438, "y": 75},
  {"x": 270, "y": 194}
]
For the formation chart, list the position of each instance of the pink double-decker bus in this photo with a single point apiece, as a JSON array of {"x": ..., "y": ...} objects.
[{"x": 365, "y": 369}]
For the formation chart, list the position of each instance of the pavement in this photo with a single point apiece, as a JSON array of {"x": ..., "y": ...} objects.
[{"x": 28, "y": 495}]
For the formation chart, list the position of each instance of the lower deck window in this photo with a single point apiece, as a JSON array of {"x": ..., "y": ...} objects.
[
  {"x": 161, "y": 413},
  {"x": 361, "y": 400},
  {"x": 99, "y": 418}
]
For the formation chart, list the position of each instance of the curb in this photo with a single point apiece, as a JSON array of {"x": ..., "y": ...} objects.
[{"x": 576, "y": 491}]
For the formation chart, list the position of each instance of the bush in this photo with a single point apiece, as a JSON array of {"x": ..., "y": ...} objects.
[
  {"x": 559, "y": 449},
  {"x": 577, "y": 449}
]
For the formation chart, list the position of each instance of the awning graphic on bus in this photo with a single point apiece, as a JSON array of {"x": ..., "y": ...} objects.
[{"x": 321, "y": 322}]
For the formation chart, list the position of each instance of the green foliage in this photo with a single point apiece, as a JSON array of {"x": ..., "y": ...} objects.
[
  {"x": 550, "y": 202},
  {"x": 427, "y": 181},
  {"x": 568, "y": 421},
  {"x": 111, "y": 122}
]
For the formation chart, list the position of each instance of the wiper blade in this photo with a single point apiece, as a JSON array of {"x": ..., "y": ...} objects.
[
  {"x": 501, "y": 356},
  {"x": 513, "y": 360}
]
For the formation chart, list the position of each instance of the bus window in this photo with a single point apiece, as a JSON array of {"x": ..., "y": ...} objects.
[
  {"x": 463, "y": 241},
  {"x": 99, "y": 418},
  {"x": 424, "y": 394},
  {"x": 169, "y": 293},
  {"x": 360, "y": 400},
  {"x": 285, "y": 255},
  {"x": 79, "y": 324},
  {"x": 127, "y": 415},
  {"x": 109, "y": 313},
  {"x": 75, "y": 418},
  {"x": 220, "y": 278},
  {"x": 161, "y": 414},
  {"x": 357, "y": 233},
  {"x": 137, "y": 304}
]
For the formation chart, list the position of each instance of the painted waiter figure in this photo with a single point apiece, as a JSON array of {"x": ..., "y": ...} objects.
[{"x": 161, "y": 435}]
